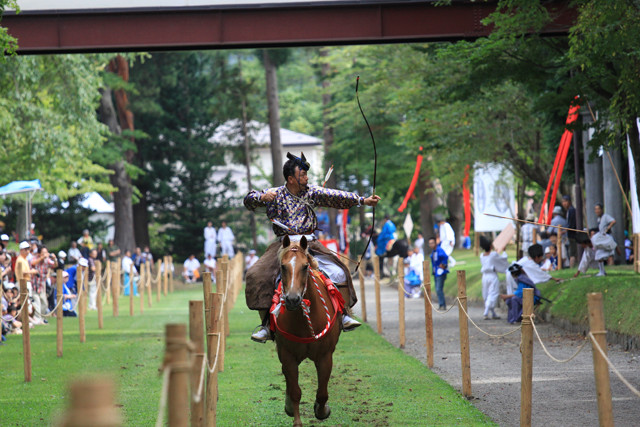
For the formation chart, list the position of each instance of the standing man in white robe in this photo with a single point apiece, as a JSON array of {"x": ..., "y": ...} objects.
[
  {"x": 492, "y": 263},
  {"x": 447, "y": 239},
  {"x": 226, "y": 238},
  {"x": 210, "y": 238}
]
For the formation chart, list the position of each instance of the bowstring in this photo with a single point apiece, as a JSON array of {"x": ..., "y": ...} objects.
[{"x": 375, "y": 169}]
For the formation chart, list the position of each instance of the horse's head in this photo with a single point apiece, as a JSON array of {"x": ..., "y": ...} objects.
[{"x": 295, "y": 262}]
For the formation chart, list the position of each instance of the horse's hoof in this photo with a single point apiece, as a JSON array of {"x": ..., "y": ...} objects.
[
  {"x": 287, "y": 406},
  {"x": 321, "y": 415}
]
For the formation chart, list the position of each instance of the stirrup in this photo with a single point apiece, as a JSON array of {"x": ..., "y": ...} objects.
[
  {"x": 349, "y": 324},
  {"x": 261, "y": 334}
]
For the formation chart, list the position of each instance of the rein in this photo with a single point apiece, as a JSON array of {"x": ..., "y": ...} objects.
[{"x": 278, "y": 300}]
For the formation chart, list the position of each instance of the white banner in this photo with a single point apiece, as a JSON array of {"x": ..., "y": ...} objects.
[
  {"x": 493, "y": 193},
  {"x": 635, "y": 208}
]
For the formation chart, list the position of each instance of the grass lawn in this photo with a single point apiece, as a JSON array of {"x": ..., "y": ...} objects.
[{"x": 373, "y": 382}]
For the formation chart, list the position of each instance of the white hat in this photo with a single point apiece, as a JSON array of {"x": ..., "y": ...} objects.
[
  {"x": 24, "y": 245},
  {"x": 65, "y": 274},
  {"x": 557, "y": 210},
  {"x": 62, "y": 254},
  {"x": 82, "y": 262},
  {"x": 4, "y": 237},
  {"x": 252, "y": 252},
  {"x": 547, "y": 250}
]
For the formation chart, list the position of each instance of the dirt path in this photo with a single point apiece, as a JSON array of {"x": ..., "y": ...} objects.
[{"x": 563, "y": 394}]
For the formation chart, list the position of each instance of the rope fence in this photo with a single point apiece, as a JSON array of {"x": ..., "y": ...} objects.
[{"x": 527, "y": 329}]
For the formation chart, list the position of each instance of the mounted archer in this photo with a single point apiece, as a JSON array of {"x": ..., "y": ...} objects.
[{"x": 290, "y": 208}]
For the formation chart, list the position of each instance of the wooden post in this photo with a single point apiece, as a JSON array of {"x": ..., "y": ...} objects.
[
  {"x": 534, "y": 233},
  {"x": 401, "y": 316},
  {"x": 83, "y": 288},
  {"x": 600, "y": 367},
  {"x": 363, "y": 301},
  {"x": 196, "y": 335},
  {"x": 213, "y": 336},
  {"x": 158, "y": 281},
  {"x": 526, "y": 348},
  {"x": 98, "y": 279},
  {"x": 476, "y": 242},
  {"x": 143, "y": 277},
  {"x": 464, "y": 334},
  {"x": 120, "y": 277},
  {"x": 149, "y": 287},
  {"x": 559, "y": 248},
  {"x": 59, "y": 282},
  {"x": 131, "y": 269},
  {"x": 166, "y": 275},
  {"x": 26, "y": 338},
  {"x": 376, "y": 275},
  {"x": 92, "y": 403},
  {"x": 206, "y": 289},
  {"x": 428, "y": 319},
  {"x": 177, "y": 357},
  {"x": 115, "y": 286},
  {"x": 636, "y": 248},
  {"x": 108, "y": 280},
  {"x": 225, "y": 281},
  {"x": 171, "y": 273}
]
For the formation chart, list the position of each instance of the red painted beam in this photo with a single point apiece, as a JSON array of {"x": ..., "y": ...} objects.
[{"x": 211, "y": 28}]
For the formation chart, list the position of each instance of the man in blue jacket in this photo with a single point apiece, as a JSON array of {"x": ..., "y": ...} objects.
[{"x": 439, "y": 262}]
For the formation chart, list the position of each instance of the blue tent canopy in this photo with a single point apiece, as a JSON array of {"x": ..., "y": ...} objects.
[{"x": 20, "y": 187}]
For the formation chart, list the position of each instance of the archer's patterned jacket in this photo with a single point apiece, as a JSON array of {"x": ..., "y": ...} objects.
[{"x": 296, "y": 212}]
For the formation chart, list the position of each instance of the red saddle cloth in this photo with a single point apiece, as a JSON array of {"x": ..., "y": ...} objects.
[{"x": 337, "y": 301}]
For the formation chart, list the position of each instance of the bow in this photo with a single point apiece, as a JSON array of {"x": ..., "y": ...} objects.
[{"x": 375, "y": 168}]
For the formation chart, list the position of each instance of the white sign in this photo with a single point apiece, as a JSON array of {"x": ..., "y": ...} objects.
[
  {"x": 408, "y": 226},
  {"x": 492, "y": 194}
]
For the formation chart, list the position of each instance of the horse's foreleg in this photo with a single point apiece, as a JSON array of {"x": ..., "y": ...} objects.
[
  {"x": 323, "y": 368},
  {"x": 293, "y": 392}
]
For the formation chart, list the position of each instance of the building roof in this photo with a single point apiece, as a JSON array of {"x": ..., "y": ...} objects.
[{"x": 228, "y": 133}]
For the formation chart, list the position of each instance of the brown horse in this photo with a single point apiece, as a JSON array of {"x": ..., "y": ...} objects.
[{"x": 299, "y": 337}]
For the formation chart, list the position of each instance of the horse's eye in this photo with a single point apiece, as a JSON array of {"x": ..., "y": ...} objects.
[{"x": 306, "y": 266}]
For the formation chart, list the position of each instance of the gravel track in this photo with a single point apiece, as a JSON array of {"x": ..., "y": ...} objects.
[{"x": 563, "y": 393}]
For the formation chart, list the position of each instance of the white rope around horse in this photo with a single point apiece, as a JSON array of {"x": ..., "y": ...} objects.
[
  {"x": 549, "y": 354},
  {"x": 613, "y": 368}
]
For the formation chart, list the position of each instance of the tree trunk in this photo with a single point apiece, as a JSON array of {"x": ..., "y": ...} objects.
[
  {"x": 327, "y": 133},
  {"x": 123, "y": 210},
  {"x": 455, "y": 204},
  {"x": 141, "y": 221},
  {"x": 428, "y": 202},
  {"x": 247, "y": 163},
  {"x": 274, "y": 119}
]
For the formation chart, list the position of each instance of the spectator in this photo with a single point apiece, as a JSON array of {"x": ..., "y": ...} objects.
[
  {"x": 86, "y": 243},
  {"x": 101, "y": 255},
  {"x": 226, "y": 238},
  {"x": 68, "y": 297},
  {"x": 571, "y": 223},
  {"x": 71, "y": 274},
  {"x": 74, "y": 253},
  {"x": 531, "y": 266},
  {"x": 190, "y": 269},
  {"x": 387, "y": 234},
  {"x": 419, "y": 242},
  {"x": 62, "y": 257},
  {"x": 93, "y": 286},
  {"x": 413, "y": 274},
  {"x": 526, "y": 233},
  {"x": 127, "y": 268},
  {"x": 138, "y": 259},
  {"x": 556, "y": 222},
  {"x": 113, "y": 251},
  {"x": 514, "y": 300},
  {"x": 447, "y": 239},
  {"x": 602, "y": 239},
  {"x": 210, "y": 266},
  {"x": 250, "y": 259},
  {"x": 148, "y": 256},
  {"x": 439, "y": 261},
  {"x": 492, "y": 263},
  {"x": 42, "y": 289},
  {"x": 628, "y": 248},
  {"x": 551, "y": 259},
  {"x": 4, "y": 241},
  {"x": 210, "y": 236}
]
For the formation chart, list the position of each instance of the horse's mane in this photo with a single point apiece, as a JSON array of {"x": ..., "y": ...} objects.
[{"x": 313, "y": 264}]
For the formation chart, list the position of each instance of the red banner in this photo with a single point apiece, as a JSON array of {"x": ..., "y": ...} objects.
[
  {"x": 414, "y": 181},
  {"x": 466, "y": 198}
]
